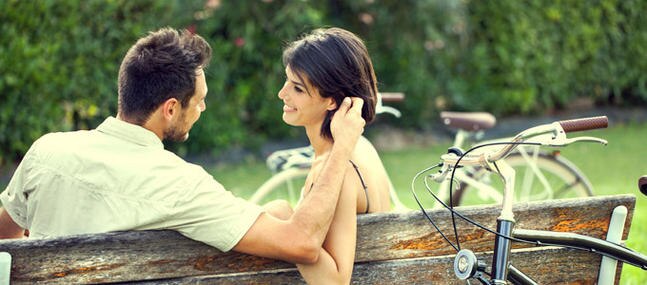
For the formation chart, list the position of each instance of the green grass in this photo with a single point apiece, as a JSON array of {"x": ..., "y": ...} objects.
[{"x": 612, "y": 169}]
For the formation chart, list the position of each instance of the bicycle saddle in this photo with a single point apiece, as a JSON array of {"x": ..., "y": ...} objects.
[
  {"x": 469, "y": 121},
  {"x": 300, "y": 157}
]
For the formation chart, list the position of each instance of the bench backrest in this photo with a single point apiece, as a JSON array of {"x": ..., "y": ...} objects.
[{"x": 394, "y": 248}]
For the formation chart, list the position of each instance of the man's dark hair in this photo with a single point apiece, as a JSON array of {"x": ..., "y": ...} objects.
[
  {"x": 336, "y": 62},
  {"x": 158, "y": 67}
]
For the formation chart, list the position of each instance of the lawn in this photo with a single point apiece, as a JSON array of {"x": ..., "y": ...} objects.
[{"x": 612, "y": 169}]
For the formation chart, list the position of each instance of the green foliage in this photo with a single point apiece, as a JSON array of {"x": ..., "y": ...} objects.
[
  {"x": 246, "y": 71},
  {"x": 548, "y": 52},
  {"x": 60, "y": 59}
]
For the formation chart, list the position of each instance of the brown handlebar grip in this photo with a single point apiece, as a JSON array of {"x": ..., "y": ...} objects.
[
  {"x": 585, "y": 124},
  {"x": 642, "y": 184},
  {"x": 392, "y": 96}
]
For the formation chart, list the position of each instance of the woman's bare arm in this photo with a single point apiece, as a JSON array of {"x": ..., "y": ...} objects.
[
  {"x": 307, "y": 228},
  {"x": 335, "y": 263}
]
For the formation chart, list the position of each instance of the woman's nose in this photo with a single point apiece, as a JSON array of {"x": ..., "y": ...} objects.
[{"x": 281, "y": 93}]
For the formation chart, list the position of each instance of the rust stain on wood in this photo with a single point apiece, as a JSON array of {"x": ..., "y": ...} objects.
[
  {"x": 242, "y": 262},
  {"x": 581, "y": 282},
  {"x": 161, "y": 262},
  {"x": 248, "y": 261},
  {"x": 434, "y": 241},
  {"x": 202, "y": 262},
  {"x": 577, "y": 225},
  {"x": 428, "y": 242},
  {"x": 84, "y": 270}
]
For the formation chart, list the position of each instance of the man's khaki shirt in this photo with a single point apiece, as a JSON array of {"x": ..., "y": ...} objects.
[{"x": 119, "y": 177}]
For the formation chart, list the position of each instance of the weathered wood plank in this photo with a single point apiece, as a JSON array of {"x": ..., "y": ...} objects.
[
  {"x": 131, "y": 256},
  {"x": 411, "y": 235},
  {"x": 548, "y": 265}
]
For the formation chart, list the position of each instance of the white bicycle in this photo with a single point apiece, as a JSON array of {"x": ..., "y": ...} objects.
[{"x": 540, "y": 175}]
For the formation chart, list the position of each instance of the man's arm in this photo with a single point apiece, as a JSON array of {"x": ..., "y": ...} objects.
[
  {"x": 299, "y": 238},
  {"x": 9, "y": 228}
]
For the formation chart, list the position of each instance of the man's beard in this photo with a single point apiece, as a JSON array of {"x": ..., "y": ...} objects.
[{"x": 176, "y": 135}]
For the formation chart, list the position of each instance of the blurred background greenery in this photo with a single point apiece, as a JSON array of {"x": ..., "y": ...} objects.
[{"x": 59, "y": 59}]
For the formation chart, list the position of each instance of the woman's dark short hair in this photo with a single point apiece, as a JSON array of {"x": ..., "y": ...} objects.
[
  {"x": 336, "y": 62},
  {"x": 158, "y": 67}
]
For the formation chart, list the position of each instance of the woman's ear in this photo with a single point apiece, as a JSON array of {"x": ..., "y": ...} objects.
[{"x": 332, "y": 105}]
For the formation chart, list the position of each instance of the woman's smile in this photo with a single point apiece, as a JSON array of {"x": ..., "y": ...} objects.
[{"x": 289, "y": 109}]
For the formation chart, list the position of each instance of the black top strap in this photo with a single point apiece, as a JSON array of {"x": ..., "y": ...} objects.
[{"x": 361, "y": 179}]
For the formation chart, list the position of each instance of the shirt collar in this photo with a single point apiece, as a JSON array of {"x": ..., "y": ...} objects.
[{"x": 129, "y": 132}]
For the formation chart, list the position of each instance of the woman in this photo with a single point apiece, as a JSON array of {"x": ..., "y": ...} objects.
[{"x": 322, "y": 68}]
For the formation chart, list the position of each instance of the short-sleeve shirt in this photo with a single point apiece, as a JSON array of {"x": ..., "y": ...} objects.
[{"x": 119, "y": 177}]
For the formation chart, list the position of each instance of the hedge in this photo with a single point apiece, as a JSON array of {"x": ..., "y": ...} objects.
[{"x": 59, "y": 59}]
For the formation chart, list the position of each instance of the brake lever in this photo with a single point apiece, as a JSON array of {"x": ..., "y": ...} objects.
[
  {"x": 563, "y": 141},
  {"x": 442, "y": 174}
]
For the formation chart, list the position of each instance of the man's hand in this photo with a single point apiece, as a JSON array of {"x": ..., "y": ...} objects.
[{"x": 347, "y": 124}]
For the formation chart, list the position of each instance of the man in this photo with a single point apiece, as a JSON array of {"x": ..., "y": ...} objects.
[{"x": 119, "y": 177}]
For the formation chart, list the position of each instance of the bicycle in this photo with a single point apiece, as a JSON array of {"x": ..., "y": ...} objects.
[
  {"x": 542, "y": 175},
  {"x": 493, "y": 159},
  {"x": 545, "y": 175}
]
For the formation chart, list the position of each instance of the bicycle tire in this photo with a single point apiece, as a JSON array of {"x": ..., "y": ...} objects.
[
  {"x": 559, "y": 172},
  {"x": 279, "y": 186}
]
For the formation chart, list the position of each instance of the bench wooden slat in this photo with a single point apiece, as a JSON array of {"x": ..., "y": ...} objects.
[
  {"x": 147, "y": 255},
  {"x": 388, "y": 236},
  {"x": 555, "y": 266}
]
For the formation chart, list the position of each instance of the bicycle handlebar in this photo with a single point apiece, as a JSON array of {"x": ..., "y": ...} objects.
[
  {"x": 548, "y": 135},
  {"x": 642, "y": 184},
  {"x": 584, "y": 124},
  {"x": 392, "y": 96},
  {"x": 388, "y": 97}
]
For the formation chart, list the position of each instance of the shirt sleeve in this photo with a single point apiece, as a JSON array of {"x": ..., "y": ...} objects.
[
  {"x": 14, "y": 198},
  {"x": 212, "y": 215}
]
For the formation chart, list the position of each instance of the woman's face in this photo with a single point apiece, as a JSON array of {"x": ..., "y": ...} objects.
[{"x": 303, "y": 106}]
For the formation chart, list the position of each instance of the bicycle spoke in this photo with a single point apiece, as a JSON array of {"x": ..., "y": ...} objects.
[{"x": 567, "y": 187}]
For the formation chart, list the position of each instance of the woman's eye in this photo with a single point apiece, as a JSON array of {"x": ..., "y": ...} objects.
[{"x": 297, "y": 89}]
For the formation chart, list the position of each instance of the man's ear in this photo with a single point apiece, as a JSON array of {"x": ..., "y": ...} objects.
[
  {"x": 332, "y": 105},
  {"x": 170, "y": 108}
]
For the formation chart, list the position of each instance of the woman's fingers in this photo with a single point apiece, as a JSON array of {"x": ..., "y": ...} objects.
[{"x": 347, "y": 124}]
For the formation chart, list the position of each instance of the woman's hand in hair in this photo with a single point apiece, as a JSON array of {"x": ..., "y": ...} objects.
[{"x": 347, "y": 124}]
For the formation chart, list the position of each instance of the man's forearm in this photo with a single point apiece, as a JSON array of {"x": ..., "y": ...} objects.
[
  {"x": 315, "y": 212},
  {"x": 9, "y": 228}
]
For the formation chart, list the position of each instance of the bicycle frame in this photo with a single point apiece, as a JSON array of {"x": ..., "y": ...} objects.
[{"x": 565, "y": 239}]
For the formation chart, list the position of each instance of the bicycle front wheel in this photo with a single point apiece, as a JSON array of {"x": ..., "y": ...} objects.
[
  {"x": 285, "y": 185},
  {"x": 539, "y": 176}
]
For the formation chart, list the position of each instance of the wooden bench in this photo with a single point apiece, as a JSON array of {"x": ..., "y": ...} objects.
[{"x": 392, "y": 248}]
